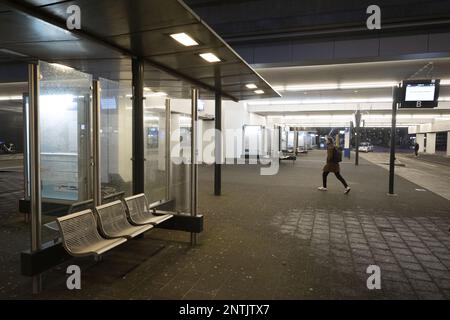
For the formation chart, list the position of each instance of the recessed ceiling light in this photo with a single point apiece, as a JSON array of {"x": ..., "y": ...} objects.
[
  {"x": 251, "y": 86},
  {"x": 210, "y": 57},
  {"x": 184, "y": 39},
  {"x": 259, "y": 91}
]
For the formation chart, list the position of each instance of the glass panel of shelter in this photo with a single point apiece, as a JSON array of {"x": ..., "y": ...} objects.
[
  {"x": 66, "y": 141},
  {"x": 180, "y": 155},
  {"x": 65, "y": 129}
]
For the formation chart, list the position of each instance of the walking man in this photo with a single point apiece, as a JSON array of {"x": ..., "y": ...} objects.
[
  {"x": 416, "y": 149},
  {"x": 333, "y": 159}
]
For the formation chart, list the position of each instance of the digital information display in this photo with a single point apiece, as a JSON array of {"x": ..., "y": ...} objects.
[{"x": 419, "y": 94}]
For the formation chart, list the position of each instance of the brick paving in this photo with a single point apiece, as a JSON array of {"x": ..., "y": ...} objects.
[
  {"x": 413, "y": 253},
  {"x": 273, "y": 238}
]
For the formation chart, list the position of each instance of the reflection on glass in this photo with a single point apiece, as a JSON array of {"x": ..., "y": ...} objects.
[
  {"x": 290, "y": 140},
  {"x": 155, "y": 148},
  {"x": 115, "y": 137},
  {"x": 180, "y": 159},
  {"x": 284, "y": 140},
  {"x": 302, "y": 145},
  {"x": 65, "y": 133},
  {"x": 253, "y": 140}
]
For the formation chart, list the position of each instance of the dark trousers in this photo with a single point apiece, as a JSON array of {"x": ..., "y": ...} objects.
[{"x": 338, "y": 176}]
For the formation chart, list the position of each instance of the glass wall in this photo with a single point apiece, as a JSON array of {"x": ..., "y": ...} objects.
[
  {"x": 65, "y": 128},
  {"x": 291, "y": 141},
  {"x": 155, "y": 147},
  {"x": 253, "y": 140},
  {"x": 181, "y": 128},
  {"x": 115, "y": 137},
  {"x": 284, "y": 137}
]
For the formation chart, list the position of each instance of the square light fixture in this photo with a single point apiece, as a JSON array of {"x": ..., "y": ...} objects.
[
  {"x": 210, "y": 57},
  {"x": 259, "y": 91},
  {"x": 184, "y": 39},
  {"x": 251, "y": 86}
]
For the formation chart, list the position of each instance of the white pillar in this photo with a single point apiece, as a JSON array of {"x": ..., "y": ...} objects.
[
  {"x": 431, "y": 143},
  {"x": 420, "y": 139},
  {"x": 448, "y": 144}
]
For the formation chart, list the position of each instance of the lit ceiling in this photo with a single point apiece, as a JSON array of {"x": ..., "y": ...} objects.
[{"x": 115, "y": 31}]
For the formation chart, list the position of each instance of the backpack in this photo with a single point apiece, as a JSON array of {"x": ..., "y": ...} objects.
[{"x": 337, "y": 154}]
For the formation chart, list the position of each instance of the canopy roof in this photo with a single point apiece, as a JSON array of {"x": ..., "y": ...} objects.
[{"x": 114, "y": 32}]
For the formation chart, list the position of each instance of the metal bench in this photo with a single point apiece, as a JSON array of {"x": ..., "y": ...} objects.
[
  {"x": 139, "y": 212},
  {"x": 113, "y": 222},
  {"x": 80, "y": 236}
]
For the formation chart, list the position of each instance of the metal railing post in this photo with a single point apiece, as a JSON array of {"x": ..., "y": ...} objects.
[
  {"x": 35, "y": 167},
  {"x": 168, "y": 151},
  {"x": 194, "y": 165},
  {"x": 96, "y": 142}
]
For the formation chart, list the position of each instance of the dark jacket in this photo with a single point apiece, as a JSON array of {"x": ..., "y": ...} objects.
[{"x": 331, "y": 166}]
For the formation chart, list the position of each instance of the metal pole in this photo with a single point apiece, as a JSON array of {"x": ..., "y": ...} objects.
[
  {"x": 295, "y": 140},
  {"x": 395, "y": 91},
  {"x": 280, "y": 138},
  {"x": 96, "y": 142},
  {"x": 357, "y": 133},
  {"x": 194, "y": 166},
  {"x": 35, "y": 167},
  {"x": 218, "y": 147},
  {"x": 168, "y": 151},
  {"x": 138, "y": 126}
]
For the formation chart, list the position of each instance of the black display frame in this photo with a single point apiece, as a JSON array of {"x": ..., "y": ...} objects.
[{"x": 419, "y": 104}]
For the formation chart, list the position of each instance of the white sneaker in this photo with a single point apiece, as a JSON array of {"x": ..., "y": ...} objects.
[
  {"x": 322, "y": 189},
  {"x": 347, "y": 190}
]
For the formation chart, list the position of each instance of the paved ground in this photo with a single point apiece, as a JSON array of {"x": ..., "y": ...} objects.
[
  {"x": 277, "y": 237},
  {"x": 430, "y": 172},
  {"x": 440, "y": 158}
]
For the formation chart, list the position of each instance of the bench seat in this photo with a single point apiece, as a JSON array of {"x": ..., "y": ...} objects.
[
  {"x": 140, "y": 214},
  {"x": 80, "y": 236},
  {"x": 113, "y": 222}
]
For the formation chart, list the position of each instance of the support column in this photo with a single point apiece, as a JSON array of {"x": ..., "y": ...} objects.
[
  {"x": 35, "y": 166},
  {"x": 395, "y": 93},
  {"x": 218, "y": 147},
  {"x": 448, "y": 144},
  {"x": 138, "y": 126},
  {"x": 168, "y": 151},
  {"x": 431, "y": 143},
  {"x": 96, "y": 142},
  {"x": 194, "y": 165},
  {"x": 420, "y": 139}
]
